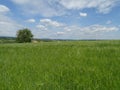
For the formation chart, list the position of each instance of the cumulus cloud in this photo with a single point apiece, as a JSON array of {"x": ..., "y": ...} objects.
[
  {"x": 91, "y": 29},
  {"x": 74, "y": 31},
  {"x": 50, "y": 22},
  {"x": 31, "y": 21},
  {"x": 60, "y": 33},
  {"x": 67, "y": 29},
  {"x": 4, "y": 9},
  {"x": 45, "y": 8},
  {"x": 88, "y": 32},
  {"x": 49, "y": 8},
  {"x": 103, "y": 6},
  {"x": 8, "y": 26},
  {"x": 109, "y": 22},
  {"x": 41, "y": 27},
  {"x": 99, "y": 29},
  {"x": 21, "y": 1},
  {"x": 83, "y": 14}
]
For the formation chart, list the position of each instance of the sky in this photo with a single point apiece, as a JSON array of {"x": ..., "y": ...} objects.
[{"x": 61, "y": 19}]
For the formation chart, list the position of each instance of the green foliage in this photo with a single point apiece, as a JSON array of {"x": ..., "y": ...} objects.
[
  {"x": 24, "y": 36},
  {"x": 84, "y": 65}
]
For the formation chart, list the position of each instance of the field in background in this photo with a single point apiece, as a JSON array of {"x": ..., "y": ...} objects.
[{"x": 60, "y": 65}]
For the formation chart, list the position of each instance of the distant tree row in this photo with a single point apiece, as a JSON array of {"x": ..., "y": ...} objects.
[{"x": 24, "y": 36}]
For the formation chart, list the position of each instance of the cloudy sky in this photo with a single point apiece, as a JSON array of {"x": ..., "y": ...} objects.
[{"x": 61, "y": 19}]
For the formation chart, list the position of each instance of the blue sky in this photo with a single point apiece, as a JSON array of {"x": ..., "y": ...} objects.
[{"x": 61, "y": 19}]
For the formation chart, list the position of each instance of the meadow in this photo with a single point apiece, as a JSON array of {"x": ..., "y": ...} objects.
[{"x": 60, "y": 65}]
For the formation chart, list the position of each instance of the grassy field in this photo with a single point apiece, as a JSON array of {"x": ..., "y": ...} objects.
[{"x": 73, "y": 65}]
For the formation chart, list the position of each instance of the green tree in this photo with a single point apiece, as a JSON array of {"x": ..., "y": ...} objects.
[{"x": 24, "y": 35}]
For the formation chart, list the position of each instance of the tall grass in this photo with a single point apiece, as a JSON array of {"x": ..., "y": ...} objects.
[{"x": 77, "y": 65}]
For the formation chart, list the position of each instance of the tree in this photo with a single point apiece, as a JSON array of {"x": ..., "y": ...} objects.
[{"x": 24, "y": 35}]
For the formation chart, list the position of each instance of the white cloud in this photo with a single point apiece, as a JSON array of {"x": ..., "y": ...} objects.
[
  {"x": 4, "y": 9},
  {"x": 50, "y": 22},
  {"x": 99, "y": 29},
  {"x": 8, "y": 26},
  {"x": 103, "y": 6},
  {"x": 49, "y": 8},
  {"x": 83, "y": 14},
  {"x": 109, "y": 22},
  {"x": 21, "y": 1},
  {"x": 41, "y": 7},
  {"x": 67, "y": 29},
  {"x": 31, "y": 21},
  {"x": 74, "y": 31},
  {"x": 60, "y": 33},
  {"x": 41, "y": 27},
  {"x": 88, "y": 32}
]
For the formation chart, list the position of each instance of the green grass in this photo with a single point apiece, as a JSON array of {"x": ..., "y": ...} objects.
[
  {"x": 75, "y": 65},
  {"x": 8, "y": 40}
]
